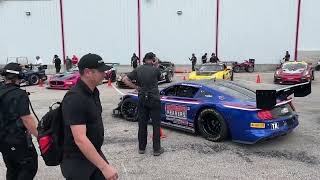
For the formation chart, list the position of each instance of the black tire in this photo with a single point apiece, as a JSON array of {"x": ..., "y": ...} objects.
[
  {"x": 236, "y": 69},
  {"x": 212, "y": 126},
  {"x": 231, "y": 76},
  {"x": 312, "y": 75},
  {"x": 129, "y": 110},
  {"x": 169, "y": 78},
  {"x": 250, "y": 69},
  {"x": 34, "y": 79}
]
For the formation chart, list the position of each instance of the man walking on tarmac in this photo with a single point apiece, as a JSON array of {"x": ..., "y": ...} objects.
[
  {"x": 16, "y": 125},
  {"x": 84, "y": 131},
  {"x": 147, "y": 77}
]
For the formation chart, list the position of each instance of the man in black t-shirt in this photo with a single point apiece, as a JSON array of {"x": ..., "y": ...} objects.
[
  {"x": 57, "y": 63},
  {"x": 84, "y": 131},
  {"x": 147, "y": 77},
  {"x": 204, "y": 58},
  {"x": 134, "y": 60},
  {"x": 18, "y": 151},
  {"x": 214, "y": 58}
]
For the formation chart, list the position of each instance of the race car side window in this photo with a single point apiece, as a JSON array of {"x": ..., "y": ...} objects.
[
  {"x": 171, "y": 91},
  {"x": 186, "y": 91}
]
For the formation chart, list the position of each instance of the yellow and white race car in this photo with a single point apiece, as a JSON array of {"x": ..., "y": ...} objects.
[{"x": 211, "y": 71}]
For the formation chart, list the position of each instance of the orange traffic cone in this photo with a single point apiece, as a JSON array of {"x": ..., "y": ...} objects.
[
  {"x": 40, "y": 83},
  {"x": 258, "y": 79},
  {"x": 109, "y": 83},
  {"x": 162, "y": 135}
]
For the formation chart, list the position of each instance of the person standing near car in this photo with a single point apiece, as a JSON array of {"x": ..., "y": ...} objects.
[
  {"x": 286, "y": 57},
  {"x": 214, "y": 58},
  {"x": 68, "y": 63},
  {"x": 57, "y": 63},
  {"x": 16, "y": 125},
  {"x": 134, "y": 61},
  {"x": 204, "y": 58},
  {"x": 84, "y": 130},
  {"x": 147, "y": 77},
  {"x": 193, "y": 61},
  {"x": 38, "y": 61}
]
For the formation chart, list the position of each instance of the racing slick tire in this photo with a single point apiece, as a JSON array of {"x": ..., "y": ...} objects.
[
  {"x": 33, "y": 79},
  {"x": 129, "y": 110},
  {"x": 312, "y": 75},
  {"x": 236, "y": 69},
  {"x": 169, "y": 78},
  {"x": 250, "y": 69},
  {"x": 231, "y": 77},
  {"x": 212, "y": 126}
]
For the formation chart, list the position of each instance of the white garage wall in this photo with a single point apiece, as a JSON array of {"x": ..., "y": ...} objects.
[
  {"x": 108, "y": 28},
  {"x": 309, "y": 38},
  {"x": 29, "y": 36},
  {"x": 263, "y": 30},
  {"x": 174, "y": 37}
]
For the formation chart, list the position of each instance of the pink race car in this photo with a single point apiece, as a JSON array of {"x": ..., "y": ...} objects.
[{"x": 64, "y": 81}]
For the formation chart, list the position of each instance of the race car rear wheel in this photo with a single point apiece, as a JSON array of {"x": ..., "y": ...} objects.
[
  {"x": 250, "y": 69},
  {"x": 34, "y": 79},
  {"x": 129, "y": 109},
  {"x": 236, "y": 69},
  {"x": 312, "y": 75},
  {"x": 212, "y": 126}
]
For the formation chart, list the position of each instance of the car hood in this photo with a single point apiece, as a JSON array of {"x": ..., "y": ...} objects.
[
  {"x": 64, "y": 76},
  {"x": 292, "y": 72},
  {"x": 205, "y": 73}
]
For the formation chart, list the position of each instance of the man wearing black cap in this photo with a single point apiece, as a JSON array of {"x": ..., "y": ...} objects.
[
  {"x": 84, "y": 131},
  {"x": 16, "y": 125},
  {"x": 147, "y": 77}
]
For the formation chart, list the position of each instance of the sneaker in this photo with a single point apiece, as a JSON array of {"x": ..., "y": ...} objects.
[
  {"x": 158, "y": 152},
  {"x": 142, "y": 151}
]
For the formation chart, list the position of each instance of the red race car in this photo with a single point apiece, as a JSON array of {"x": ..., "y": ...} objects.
[
  {"x": 64, "y": 81},
  {"x": 294, "y": 72}
]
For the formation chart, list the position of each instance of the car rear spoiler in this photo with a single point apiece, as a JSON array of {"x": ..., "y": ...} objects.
[{"x": 267, "y": 99}]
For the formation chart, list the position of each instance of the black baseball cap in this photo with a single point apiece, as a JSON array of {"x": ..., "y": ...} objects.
[
  {"x": 92, "y": 61},
  {"x": 13, "y": 68}
]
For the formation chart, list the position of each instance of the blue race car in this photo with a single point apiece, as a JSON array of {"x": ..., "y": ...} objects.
[{"x": 219, "y": 109}]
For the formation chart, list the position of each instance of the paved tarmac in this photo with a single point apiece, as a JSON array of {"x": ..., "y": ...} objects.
[{"x": 188, "y": 156}]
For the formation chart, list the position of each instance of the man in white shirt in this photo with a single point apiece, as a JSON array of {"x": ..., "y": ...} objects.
[{"x": 38, "y": 60}]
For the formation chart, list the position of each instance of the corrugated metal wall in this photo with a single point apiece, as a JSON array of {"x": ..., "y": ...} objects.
[
  {"x": 37, "y": 34},
  {"x": 174, "y": 37},
  {"x": 310, "y": 26},
  {"x": 263, "y": 30},
  {"x": 108, "y": 28}
]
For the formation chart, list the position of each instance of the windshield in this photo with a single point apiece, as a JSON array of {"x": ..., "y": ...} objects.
[
  {"x": 216, "y": 67},
  {"x": 293, "y": 67}
]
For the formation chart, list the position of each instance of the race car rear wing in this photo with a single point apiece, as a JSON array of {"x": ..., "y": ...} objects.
[{"x": 267, "y": 99}]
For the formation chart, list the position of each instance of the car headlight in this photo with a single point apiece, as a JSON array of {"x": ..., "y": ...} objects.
[{"x": 69, "y": 83}]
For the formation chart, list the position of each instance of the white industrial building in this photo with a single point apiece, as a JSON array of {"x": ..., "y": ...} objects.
[{"x": 173, "y": 29}]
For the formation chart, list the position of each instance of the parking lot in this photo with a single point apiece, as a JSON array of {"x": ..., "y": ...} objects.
[{"x": 188, "y": 156}]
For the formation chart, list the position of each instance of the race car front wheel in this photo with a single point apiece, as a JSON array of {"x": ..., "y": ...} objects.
[
  {"x": 129, "y": 109},
  {"x": 212, "y": 126},
  {"x": 34, "y": 79}
]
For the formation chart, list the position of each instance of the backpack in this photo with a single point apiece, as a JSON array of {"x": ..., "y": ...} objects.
[
  {"x": 51, "y": 135},
  {"x": 3, "y": 121}
]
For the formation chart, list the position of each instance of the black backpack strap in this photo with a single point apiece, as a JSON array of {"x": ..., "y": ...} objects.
[{"x": 32, "y": 107}]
